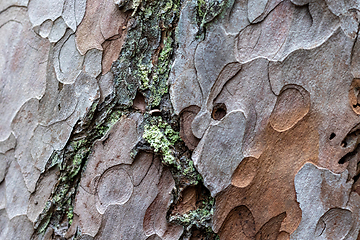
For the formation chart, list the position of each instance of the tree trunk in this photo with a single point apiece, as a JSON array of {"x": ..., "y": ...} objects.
[{"x": 179, "y": 119}]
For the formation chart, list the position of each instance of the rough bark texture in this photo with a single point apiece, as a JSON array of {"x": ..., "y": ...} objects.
[{"x": 179, "y": 119}]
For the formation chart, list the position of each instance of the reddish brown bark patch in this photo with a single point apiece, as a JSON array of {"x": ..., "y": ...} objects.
[{"x": 186, "y": 118}]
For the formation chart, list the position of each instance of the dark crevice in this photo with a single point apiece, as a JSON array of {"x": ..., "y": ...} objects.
[
  {"x": 352, "y": 139},
  {"x": 156, "y": 112},
  {"x": 357, "y": 176},
  {"x": 348, "y": 156},
  {"x": 219, "y": 111},
  {"x": 332, "y": 136},
  {"x": 60, "y": 86}
]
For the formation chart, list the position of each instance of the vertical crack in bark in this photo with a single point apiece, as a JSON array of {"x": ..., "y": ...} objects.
[{"x": 142, "y": 68}]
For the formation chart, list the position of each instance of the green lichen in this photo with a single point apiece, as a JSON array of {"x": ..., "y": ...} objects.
[
  {"x": 190, "y": 168},
  {"x": 77, "y": 144},
  {"x": 154, "y": 77},
  {"x": 143, "y": 74},
  {"x": 202, "y": 7},
  {"x": 208, "y": 10},
  {"x": 71, "y": 161},
  {"x": 157, "y": 139},
  {"x": 195, "y": 217},
  {"x": 162, "y": 138},
  {"x": 161, "y": 73},
  {"x": 74, "y": 168},
  {"x": 189, "y": 172},
  {"x": 200, "y": 218},
  {"x": 136, "y": 4},
  {"x": 70, "y": 213},
  {"x": 145, "y": 58},
  {"x": 101, "y": 129}
]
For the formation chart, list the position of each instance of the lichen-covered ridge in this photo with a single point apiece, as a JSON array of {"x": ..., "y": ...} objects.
[{"x": 142, "y": 68}]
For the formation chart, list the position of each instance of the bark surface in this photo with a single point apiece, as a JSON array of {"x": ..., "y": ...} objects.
[{"x": 180, "y": 119}]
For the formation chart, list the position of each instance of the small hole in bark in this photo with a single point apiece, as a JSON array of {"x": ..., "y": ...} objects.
[
  {"x": 219, "y": 111},
  {"x": 332, "y": 135}
]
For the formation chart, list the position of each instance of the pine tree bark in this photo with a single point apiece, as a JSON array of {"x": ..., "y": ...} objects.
[{"x": 179, "y": 119}]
